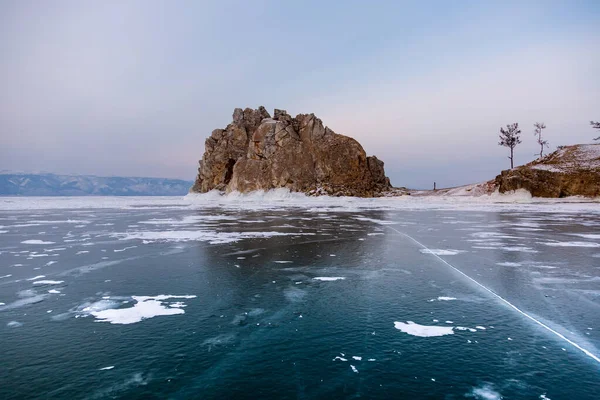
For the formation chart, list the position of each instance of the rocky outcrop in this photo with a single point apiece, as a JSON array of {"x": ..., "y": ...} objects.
[
  {"x": 260, "y": 152},
  {"x": 569, "y": 171}
]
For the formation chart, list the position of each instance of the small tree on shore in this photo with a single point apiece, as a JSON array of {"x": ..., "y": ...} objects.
[
  {"x": 539, "y": 126},
  {"x": 509, "y": 137},
  {"x": 595, "y": 125}
]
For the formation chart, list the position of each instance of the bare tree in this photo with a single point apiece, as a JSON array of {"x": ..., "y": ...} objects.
[
  {"x": 595, "y": 125},
  {"x": 509, "y": 137},
  {"x": 539, "y": 126}
]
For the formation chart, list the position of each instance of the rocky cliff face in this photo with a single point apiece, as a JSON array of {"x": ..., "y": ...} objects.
[
  {"x": 260, "y": 152},
  {"x": 569, "y": 171}
]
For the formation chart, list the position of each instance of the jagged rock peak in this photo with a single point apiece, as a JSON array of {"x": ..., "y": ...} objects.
[{"x": 259, "y": 152}]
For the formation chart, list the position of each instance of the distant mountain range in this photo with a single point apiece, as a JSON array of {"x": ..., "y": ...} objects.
[{"x": 24, "y": 184}]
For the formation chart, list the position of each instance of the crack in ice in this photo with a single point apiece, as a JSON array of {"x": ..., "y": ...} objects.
[{"x": 558, "y": 334}]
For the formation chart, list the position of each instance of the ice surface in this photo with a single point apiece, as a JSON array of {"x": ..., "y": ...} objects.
[
  {"x": 26, "y": 297},
  {"x": 588, "y": 235},
  {"x": 523, "y": 249},
  {"x": 376, "y": 221},
  {"x": 283, "y": 198},
  {"x": 213, "y": 237},
  {"x": 68, "y": 221},
  {"x": 484, "y": 392},
  {"x": 189, "y": 219},
  {"x": 294, "y": 294},
  {"x": 571, "y": 244},
  {"x": 123, "y": 249},
  {"x": 423, "y": 330}
]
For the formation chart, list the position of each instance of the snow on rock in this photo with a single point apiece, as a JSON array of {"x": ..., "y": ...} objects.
[{"x": 569, "y": 171}]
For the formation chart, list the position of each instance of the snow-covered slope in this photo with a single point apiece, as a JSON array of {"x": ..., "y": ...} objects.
[{"x": 87, "y": 185}]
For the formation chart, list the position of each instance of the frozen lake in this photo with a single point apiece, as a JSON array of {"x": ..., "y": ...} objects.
[{"x": 254, "y": 297}]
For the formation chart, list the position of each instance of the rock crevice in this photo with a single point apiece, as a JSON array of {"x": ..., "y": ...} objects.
[{"x": 259, "y": 152}]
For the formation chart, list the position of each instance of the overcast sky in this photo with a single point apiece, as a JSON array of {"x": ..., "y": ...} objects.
[{"x": 133, "y": 88}]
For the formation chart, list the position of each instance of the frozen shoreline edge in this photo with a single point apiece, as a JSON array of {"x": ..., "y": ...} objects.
[{"x": 283, "y": 198}]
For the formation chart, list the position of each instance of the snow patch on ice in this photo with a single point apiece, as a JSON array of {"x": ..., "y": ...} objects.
[
  {"x": 443, "y": 298},
  {"x": 126, "y": 248},
  {"x": 329, "y": 278},
  {"x": 571, "y": 244},
  {"x": 376, "y": 221},
  {"x": 441, "y": 252},
  {"x": 509, "y": 264},
  {"x": 213, "y": 237},
  {"x": 592, "y": 236},
  {"x": 411, "y": 328},
  {"x": 36, "y": 241},
  {"x": 145, "y": 307},
  {"x": 522, "y": 249}
]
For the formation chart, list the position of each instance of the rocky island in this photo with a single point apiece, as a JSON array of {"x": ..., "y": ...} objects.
[
  {"x": 259, "y": 152},
  {"x": 569, "y": 171}
]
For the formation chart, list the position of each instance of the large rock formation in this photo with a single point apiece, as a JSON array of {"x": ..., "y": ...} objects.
[
  {"x": 569, "y": 171},
  {"x": 260, "y": 152}
]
